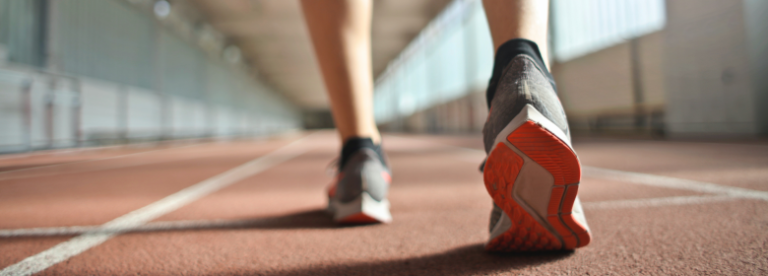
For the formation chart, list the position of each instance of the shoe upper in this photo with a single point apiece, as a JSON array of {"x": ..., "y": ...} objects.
[
  {"x": 522, "y": 82},
  {"x": 363, "y": 172}
]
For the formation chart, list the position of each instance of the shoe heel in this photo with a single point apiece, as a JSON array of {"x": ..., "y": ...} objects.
[
  {"x": 527, "y": 139},
  {"x": 362, "y": 210}
]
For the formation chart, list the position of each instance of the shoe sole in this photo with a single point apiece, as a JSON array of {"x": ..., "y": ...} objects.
[
  {"x": 515, "y": 180},
  {"x": 362, "y": 210}
]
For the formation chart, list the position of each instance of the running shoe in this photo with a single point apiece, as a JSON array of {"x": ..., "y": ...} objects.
[
  {"x": 358, "y": 194},
  {"x": 531, "y": 171}
]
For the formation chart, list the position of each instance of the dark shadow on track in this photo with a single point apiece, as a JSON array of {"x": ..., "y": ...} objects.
[
  {"x": 466, "y": 260},
  {"x": 311, "y": 219}
]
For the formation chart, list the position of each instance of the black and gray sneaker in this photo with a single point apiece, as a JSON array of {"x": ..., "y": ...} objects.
[
  {"x": 531, "y": 171},
  {"x": 358, "y": 194}
]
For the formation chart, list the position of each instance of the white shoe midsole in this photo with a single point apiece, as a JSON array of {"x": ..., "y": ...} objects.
[{"x": 365, "y": 204}]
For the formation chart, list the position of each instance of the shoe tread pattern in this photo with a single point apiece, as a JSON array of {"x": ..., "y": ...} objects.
[
  {"x": 525, "y": 234},
  {"x": 555, "y": 156}
]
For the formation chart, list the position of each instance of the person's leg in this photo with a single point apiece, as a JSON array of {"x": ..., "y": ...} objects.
[
  {"x": 341, "y": 34},
  {"x": 517, "y": 26},
  {"x": 510, "y": 19},
  {"x": 531, "y": 172}
]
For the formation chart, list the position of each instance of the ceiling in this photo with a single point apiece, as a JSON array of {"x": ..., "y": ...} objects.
[{"x": 273, "y": 39}]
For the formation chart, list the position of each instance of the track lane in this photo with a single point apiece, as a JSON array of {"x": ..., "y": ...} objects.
[
  {"x": 60, "y": 200},
  {"x": 737, "y": 165},
  {"x": 84, "y": 242},
  {"x": 103, "y": 200},
  {"x": 17, "y": 166},
  {"x": 440, "y": 213}
]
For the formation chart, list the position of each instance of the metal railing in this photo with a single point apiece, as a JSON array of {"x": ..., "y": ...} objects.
[{"x": 46, "y": 110}]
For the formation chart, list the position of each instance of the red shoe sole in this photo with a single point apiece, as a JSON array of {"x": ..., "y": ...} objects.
[
  {"x": 501, "y": 170},
  {"x": 359, "y": 218}
]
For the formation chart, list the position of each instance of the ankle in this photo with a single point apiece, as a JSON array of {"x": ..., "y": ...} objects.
[
  {"x": 508, "y": 51},
  {"x": 354, "y": 144}
]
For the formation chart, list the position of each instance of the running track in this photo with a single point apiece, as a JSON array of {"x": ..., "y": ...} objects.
[{"x": 255, "y": 208}]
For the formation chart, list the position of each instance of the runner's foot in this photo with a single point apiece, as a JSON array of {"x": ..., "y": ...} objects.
[
  {"x": 359, "y": 192},
  {"x": 531, "y": 172}
]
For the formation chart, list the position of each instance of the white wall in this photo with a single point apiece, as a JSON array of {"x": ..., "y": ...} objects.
[{"x": 708, "y": 77}]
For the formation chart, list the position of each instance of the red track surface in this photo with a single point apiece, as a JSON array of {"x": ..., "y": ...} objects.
[{"x": 272, "y": 224}]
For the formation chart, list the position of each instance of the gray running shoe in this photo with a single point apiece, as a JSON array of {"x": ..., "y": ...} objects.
[
  {"x": 359, "y": 192},
  {"x": 531, "y": 171}
]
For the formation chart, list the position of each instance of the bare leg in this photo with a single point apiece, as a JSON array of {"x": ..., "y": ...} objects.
[
  {"x": 341, "y": 34},
  {"x": 510, "y": 19}
]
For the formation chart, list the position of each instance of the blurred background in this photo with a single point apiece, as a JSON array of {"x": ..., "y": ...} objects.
[{"x": 98, "y": 72}]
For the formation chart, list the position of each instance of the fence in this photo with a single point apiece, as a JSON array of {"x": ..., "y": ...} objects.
[
  {"x": 434, "y": 84},
  {"x": 42, "y": 110}
]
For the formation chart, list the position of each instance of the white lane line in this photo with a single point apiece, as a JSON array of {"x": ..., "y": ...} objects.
[
  {"x": 675, "y": 183},
  {"x": 148, "y": 227},
  {"x": 655, "y": 202},
  {"x": 648, "y": 179},
  {"x": 79, "y": 244},
  {"x": 47, "y": 231},
  {"x": 23, "y": 173},
  {"x": 36, "y": 153}
]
